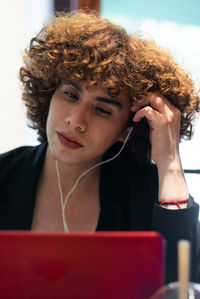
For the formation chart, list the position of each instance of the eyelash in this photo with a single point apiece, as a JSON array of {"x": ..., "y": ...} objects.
[
  {"x": 103, "y": 111},
  {"x": 72, "y": 97}
]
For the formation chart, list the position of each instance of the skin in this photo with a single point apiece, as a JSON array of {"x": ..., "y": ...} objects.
[
  {"x": 91, "y": 117},
  {"x": 97, "y": 125},
  {"x": 97, "y": 121},
  {"x": 164, "y": 121}
]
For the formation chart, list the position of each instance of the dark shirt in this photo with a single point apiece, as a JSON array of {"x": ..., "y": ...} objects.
[{"x": 128, "y": 201}]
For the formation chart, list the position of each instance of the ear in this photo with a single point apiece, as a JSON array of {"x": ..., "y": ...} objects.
[{"x": 123, "y": 134}]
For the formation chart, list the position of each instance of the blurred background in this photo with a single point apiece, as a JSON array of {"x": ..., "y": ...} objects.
[{"x": 174, "y": 24}]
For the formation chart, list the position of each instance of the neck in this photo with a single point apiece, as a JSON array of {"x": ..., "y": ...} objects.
[{"x": 68, "y": 174}]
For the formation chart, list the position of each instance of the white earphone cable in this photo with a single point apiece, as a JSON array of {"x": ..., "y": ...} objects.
[{"x": 64, "y": 201}]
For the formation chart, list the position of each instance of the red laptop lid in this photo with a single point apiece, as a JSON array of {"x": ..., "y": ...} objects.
[{"x": 119, "y": 265}]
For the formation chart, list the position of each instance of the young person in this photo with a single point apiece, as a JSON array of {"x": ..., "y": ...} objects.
[{"x": 105, "y": 104}]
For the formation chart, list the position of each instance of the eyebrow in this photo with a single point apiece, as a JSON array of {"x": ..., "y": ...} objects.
[
  {"x": 109, "y": 101},
  {"x": 74, "y": 85},
  {"x": 99, "y": 99}
]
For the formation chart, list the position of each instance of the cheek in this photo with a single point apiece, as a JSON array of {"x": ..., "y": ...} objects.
[
  {"x": 54, "y": 114},
  {"x": 51, "y": 119},
  {"x": 116, "y": 132},
  {"x": 106, "y": 135}
]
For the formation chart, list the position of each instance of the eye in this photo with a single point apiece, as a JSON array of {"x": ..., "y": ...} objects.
[
  {"x": 70, "y": 95},
  {"x": 102, "y": 111}
]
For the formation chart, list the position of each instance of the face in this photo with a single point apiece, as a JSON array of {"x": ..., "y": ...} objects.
[{"x": 83, "y": 124}]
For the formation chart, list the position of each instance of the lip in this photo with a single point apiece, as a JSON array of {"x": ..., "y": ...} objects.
[{"x": 68, "y": 141}]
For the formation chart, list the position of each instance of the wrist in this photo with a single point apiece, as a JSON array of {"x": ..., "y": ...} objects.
[
  {"x": 172, "y": 184},
  {"x": 170, "y": 165}
]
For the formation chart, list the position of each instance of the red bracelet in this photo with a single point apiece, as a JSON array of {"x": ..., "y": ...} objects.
[{"x": 176, "y": 202}]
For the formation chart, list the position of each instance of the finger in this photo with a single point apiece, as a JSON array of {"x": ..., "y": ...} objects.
[
  {"x": 155, "y": 100},
  {"x": 138, "y": 105},
  {"x": 164, "y": 107},
  {"x": 149, "y": 113},
  {"x": 151, "y": 100}
]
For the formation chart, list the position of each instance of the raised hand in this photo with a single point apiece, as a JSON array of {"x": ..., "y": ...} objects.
[{"x": 164, "y": 122}]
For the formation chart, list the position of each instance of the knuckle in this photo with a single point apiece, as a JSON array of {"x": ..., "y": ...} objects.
[{"x": 148, "y": 109}]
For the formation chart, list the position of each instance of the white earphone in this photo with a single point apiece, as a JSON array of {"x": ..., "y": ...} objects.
[{"x": 64, "y": 201}]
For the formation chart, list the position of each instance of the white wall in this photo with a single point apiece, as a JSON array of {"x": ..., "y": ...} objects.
[
  {"x": 12, "y": 114},
  {"x": 19, "y": 21}
]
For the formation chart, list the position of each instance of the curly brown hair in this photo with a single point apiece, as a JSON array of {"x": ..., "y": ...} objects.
[{"x": 81, "y": 46}]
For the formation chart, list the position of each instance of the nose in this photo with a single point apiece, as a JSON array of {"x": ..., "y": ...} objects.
[{"x": 78, "y": 118}]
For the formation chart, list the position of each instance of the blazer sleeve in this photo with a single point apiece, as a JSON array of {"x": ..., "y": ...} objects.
[{"x": 175, "y": 225}]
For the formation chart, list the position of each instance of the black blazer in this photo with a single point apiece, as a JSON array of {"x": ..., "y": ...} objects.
[{"x": 128, "y": 201}]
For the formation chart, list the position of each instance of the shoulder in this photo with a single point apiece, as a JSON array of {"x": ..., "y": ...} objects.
[
  {"x": 19, "y": 158},
  {"x": 16, "y": 153},
  {"x": 19, "y": 154}
]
